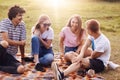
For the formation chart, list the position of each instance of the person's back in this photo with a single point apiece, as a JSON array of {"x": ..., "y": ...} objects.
[{"x": 106, "y": 47}]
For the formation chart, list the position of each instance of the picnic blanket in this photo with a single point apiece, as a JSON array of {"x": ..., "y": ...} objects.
[{"x": 31, "y": 74}]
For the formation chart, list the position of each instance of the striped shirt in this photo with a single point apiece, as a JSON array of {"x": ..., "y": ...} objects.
[{"x": 17, "y": 33}]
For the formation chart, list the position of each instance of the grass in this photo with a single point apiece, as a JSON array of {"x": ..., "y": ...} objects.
[{"x": 106, "y": 12}]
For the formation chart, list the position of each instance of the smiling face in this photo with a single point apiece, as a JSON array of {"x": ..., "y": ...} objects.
[
  {"x": 74, "y": 24},
  {"x": 18, "y": 18}
]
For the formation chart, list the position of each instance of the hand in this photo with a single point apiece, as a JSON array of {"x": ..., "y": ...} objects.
[
  {"x": 61, "y": 55},
  {"x": 23, "y": 42}
]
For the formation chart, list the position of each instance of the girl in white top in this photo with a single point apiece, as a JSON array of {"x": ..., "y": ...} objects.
[{"x": 41, "y": 43}]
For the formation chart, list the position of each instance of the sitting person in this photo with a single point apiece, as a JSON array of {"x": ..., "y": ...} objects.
[
  {"x": 12, "y": 30},
  {"x": 41, "y": 43},
  {"x": 72, "y": 38},
  {"x": 99, "y": 57},
  {"x": 7, "y": 62}
]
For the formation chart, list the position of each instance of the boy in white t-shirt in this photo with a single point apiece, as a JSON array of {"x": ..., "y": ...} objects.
[{"x": 99, "y": 57}]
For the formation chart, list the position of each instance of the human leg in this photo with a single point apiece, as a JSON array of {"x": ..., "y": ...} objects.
[
  {"x": 35, "y": 46},
  {"x": 96, "y": 64},
  {"x": 88, "y": 52},
  {"x": 47, "y": 59},
  {"x": 69, "y": 56},
  {"x": 10, "y": 65},
  {"x": 72, "y": 68},
  {"x": 70, "y": 53},
  {"x": 60, "y": 75}
]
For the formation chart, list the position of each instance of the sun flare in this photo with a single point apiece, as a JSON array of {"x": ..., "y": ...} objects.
[
  {"x": 56, "y": 3},
  {"x": 52, "y": 3}
]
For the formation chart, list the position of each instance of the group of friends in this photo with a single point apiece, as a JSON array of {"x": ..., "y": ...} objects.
[{"x": 81, "y": 48}]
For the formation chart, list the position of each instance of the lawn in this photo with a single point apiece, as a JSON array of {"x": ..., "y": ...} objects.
[{"x": 107, "y": 13}]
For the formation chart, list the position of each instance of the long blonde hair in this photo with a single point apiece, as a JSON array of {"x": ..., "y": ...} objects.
[
  {"x": 41, "y": 19},
  {"x": 80, "y": 30}
]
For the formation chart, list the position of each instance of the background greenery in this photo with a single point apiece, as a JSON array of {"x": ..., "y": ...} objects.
[{"x": 108, "y": 13}]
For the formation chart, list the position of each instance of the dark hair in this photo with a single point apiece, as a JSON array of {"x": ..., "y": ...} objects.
[
  {"x": 93, "y": 25},
  {"x": 13, "y": 11}
]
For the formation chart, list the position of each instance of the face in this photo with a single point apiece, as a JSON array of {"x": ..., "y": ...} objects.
[
  {"x": 88, "y": 30},
  {"x": 45, "y": 25},
  {"x": 18, "y": 18},
  {"x": 74, "y": 23}
]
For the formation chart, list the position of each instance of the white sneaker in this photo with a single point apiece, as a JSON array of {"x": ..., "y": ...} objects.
[
  {"x": 113, "y": 65},
  {"x": 57, "y": 72}
]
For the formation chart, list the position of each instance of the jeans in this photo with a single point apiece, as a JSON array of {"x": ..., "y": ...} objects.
[
  {"x": 46, "y": 56},
  {"x": 67, "y": 49}
]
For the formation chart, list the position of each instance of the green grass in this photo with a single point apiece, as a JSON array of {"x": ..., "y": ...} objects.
[{"x": 106, "y": 12}]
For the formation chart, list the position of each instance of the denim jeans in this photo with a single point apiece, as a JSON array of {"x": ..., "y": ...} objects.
[
  {"x": 46, "y": 56},
  {"x": 67, "y": 49}
]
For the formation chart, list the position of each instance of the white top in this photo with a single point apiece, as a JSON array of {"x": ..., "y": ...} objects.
[
  {"x": 48, "y": 34},
  {"x": 102, "y": 44}
]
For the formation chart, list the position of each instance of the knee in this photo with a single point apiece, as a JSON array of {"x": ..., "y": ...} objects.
[
  {"x": 68, "y": 55},
  {"x": 35, "y": 38},
  {"x": 20, "y": 69},
  {"x": 4, "y": 44},
  {"x": 50, "y": 58}
]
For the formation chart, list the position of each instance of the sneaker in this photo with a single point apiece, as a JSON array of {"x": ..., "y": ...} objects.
[
  {"x": 113, "y": 65},
  {"x": 39, "y": 67},
  {"x": 57, "y": 72}
]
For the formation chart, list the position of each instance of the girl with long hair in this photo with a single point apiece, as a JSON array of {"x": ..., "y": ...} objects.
[
  {"x": 72, "y": 38},
  {"x": 41, "y": 43}
]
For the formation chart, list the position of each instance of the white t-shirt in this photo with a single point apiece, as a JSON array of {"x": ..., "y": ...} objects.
[
  {"x": 102, "y": 44},
  {"x": 48, "y": 34}
]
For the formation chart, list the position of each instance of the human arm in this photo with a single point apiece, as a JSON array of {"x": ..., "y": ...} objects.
[
  {"x": 80, "y": 46},
  {"x": 96, "y": 54},
  {"x": 61, "y": 44},
  {"x": 47, "y": 42},
  {"x": 11, "y": 42},
  {"x": 84, "y": 48},
  {"x": 82, "y": 41}
]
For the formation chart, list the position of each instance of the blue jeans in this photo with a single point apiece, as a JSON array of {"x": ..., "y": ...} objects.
[
  {"x": 46, "y": 56},
  {"x": 67, "y": 49}
]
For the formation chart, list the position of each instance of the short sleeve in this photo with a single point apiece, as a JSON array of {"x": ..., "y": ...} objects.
[
  {"x": 90, "y": 38},
  {"x": 100, "y": 47},
  {"x": 51, "y": 34},
  {"x": 3, "y": 26}
]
